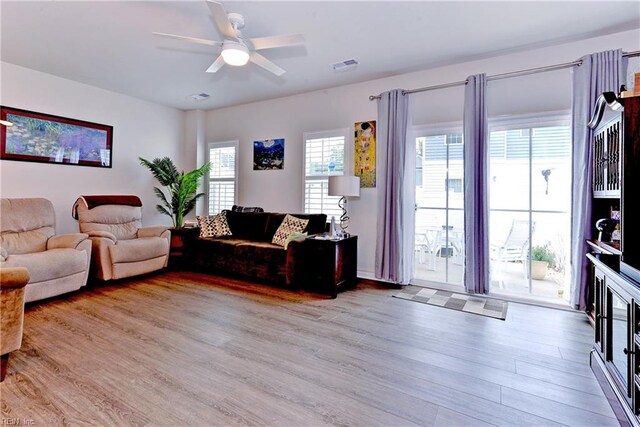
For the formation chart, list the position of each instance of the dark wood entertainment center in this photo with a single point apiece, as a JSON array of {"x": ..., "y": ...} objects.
[{"x": 615, "y": 296}]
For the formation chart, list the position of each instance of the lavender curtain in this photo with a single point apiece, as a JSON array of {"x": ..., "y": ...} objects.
[
  {"x": 476, "y": 189},
  {"x": 396, "y": 189},
  {"x": 599, "y": 72}
]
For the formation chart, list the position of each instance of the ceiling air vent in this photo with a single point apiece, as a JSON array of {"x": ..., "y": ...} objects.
[
  {"x": 199, "y": 96},
  {"x": 345, "y": 65}
]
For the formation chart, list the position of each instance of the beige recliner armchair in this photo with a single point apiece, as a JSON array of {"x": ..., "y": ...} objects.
[
  {"x": 57, "y": 264},
  {"x": 121, "y": 246},
  {"x": 12, "y": 283}
]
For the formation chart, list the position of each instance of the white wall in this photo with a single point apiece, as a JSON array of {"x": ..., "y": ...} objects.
[
  {"x": 194, "y": 152},
  {"x": 340, "y": 107},
  {"x": 140, "y": 128}
]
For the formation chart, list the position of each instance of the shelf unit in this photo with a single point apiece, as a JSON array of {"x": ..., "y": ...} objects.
[
  {"x": 615, "y": 314},
  {"x": 615, "y": 357},
  {"x": 607, "y": 160}
]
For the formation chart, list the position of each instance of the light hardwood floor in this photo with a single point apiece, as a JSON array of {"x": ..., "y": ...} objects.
[{"x": 190, "y": 349}]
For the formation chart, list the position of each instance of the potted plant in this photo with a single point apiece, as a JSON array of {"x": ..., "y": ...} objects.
[
  {"x": 542, "y": 257},
  {"x": 182, "y": 187}
]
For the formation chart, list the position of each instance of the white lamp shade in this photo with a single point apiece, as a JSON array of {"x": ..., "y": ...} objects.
[
  {"x": 234, "y": 53},
  {"x": 344, "y": 185}
]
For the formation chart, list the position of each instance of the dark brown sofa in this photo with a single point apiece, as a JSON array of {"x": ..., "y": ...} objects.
[{"x": 249, "y": 253}]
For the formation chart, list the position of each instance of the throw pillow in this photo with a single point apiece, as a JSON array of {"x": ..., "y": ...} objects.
[
  {"x": 289, "y": 225},
  {"x": 214, "y": 225},
  {"x": 295, "y": 237}
]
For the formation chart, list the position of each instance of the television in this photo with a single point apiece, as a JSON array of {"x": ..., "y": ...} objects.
[{"x": 630, "y": 205}]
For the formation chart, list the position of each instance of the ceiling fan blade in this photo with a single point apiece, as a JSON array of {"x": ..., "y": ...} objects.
[
  {"x": 217, "y": 64},
  {"x": 260, "y": 60},
  {"x": 277, "y": 41},
  {"x": 222, "y": 20},
  {"x": 190, "y": 39}
]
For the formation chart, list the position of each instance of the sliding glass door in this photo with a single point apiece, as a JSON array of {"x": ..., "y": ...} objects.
[
  {"x": 439, "y": 225},
  {"x": 529, "y": 202},
  {"x": 530, "y": 196}
]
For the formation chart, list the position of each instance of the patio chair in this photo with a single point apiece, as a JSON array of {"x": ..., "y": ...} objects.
[
  {"x": 425, "y": 245},
  {"x": 515, "y": 247}
]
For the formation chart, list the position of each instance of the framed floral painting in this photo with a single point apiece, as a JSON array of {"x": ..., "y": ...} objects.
[{"x": 36, "y": 137}]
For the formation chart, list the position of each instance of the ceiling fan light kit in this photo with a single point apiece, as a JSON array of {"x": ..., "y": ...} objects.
[
  {"x": 234, "y": 49},
  {"x": 235, "y": 53}
]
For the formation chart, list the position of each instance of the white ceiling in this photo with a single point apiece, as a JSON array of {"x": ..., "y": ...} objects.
[{"x": 109, "y": 44}]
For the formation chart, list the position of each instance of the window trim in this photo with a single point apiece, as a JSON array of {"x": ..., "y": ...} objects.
[
  {"x": 506, "y": 122},
  {"x": 446, "y": 140},
  {"x": 545, "y": 119},
  {"x": 222, "y": 144},
  {"x": 320, "y": 135},
  {"x": 438, "y": 129}
]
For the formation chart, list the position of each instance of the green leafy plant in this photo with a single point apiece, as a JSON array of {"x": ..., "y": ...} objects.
[
  {"x": 182, "y": 187},
  {"x": 543, "y": 253}
]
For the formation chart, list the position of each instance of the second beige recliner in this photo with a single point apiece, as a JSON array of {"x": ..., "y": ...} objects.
[{"x": 121, "y": 247}]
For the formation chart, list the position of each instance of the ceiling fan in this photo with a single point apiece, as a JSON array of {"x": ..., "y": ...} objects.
[{"x": 237, "y": 50}]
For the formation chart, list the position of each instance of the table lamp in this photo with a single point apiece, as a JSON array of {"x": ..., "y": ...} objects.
[{"x": 344, "y": 186}]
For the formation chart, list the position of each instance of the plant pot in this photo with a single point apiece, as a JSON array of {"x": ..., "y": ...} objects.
[{"x": 538, "y": 269}]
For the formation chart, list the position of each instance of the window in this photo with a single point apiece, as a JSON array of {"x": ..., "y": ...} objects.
[
  {"x": 453, "y": 139},
  {"x": 323, "y": 156},
  {"x": 454, "y": 184},
  {"x": 222, "y": 177},
  {"x": 419, "y": 160}
]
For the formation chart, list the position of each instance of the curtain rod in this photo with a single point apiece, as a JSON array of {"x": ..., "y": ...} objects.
[{"x": 506, "y": 75}]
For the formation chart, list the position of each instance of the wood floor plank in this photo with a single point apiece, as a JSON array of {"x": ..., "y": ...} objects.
[
  {"x": 336, "y": 380},
  {"x": 566, "y": 379},
  {"x": 466, "y": 379},
  {"x": 447, "y": 417},
  {"x": 538, "y": 331},
  {"x": 270, "y": 376},
  {"x": 556, "y": 411},
  {"x": 182, "y": 348}
]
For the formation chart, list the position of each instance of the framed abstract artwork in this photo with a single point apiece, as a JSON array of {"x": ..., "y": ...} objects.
[
  {"x": 364, "y": 145},
  {"x": 36, "y": 137},
  {"x": 268, "y": 154}
]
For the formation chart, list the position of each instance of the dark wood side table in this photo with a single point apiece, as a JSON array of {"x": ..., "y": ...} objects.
[
  {"x": 177, "y": 259},
  {"x": 332, "y": 264}
]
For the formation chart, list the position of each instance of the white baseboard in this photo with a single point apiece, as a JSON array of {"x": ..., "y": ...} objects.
[{"x": 366, "y": 275}]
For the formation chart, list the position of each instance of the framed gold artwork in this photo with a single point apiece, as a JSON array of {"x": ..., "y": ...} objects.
[{"x": 365, "y": 153}]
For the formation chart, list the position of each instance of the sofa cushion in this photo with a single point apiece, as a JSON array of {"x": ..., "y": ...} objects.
[
  {"x": 49, "y": 265},
  {"x": 214, "y": 225},
  {"x": 289, "y": 225},
  {"x": 25, "y": 242},
  {"x": 317, "y": 223},
  {"x": 295, "y": 237},
  {"x": 237, "y": 208},
  {"x": 26, "y": 224},
  {"x": 140, "y": 249},
  {"x": 120, "y": 220},
  {"x": 248, "y": 225},
  {"x": 261, "y": 252}
]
